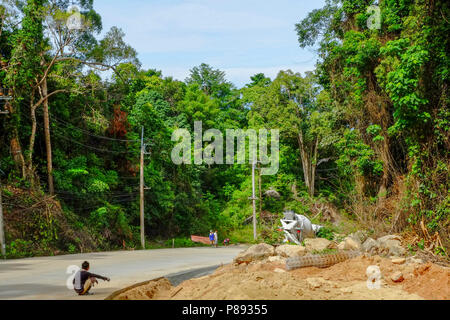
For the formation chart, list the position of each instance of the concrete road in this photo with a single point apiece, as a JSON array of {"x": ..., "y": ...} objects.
[{"x": 46, "y": 277}]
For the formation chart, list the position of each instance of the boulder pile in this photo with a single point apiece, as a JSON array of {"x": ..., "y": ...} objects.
[{"x": 387, "y": 246}]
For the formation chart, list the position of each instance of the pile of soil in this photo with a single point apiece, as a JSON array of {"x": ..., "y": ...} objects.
[
  {"x": 149, "y": 291},
  {"x": 269, "y": 280}
]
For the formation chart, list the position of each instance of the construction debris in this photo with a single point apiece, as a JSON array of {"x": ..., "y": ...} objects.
[
  {"x": 320, "y": 261},
  {"x": 347, "y": 280},
  {"x": 297, "y": 227},
  {"x": 255, "y": 252}
]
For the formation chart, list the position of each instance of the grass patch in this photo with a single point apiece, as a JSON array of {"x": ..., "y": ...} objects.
[
  {"x": 242, "y": 235},
  {"x": 172, "y": 243}
]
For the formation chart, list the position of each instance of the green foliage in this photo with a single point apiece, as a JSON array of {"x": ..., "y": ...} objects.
[
  {"x": 242, "y": 234},
  {"x": 326, "y": 233},
  {"x": 181, "y": 243},
  {"x": 19, "y": 249},
  {"x": 354, "y": 154}
]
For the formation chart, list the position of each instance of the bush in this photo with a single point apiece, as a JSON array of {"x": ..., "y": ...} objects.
[{"x": 325, "y": 232}]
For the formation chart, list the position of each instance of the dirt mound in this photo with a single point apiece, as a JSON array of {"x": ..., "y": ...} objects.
[
  {"x": 430, "y": 281},
  {"x": 151, "y": 290},
  {"x": 269, "y": 280}
]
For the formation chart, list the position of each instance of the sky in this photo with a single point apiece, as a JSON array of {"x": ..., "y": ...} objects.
[{"x": 242, "y": 38}]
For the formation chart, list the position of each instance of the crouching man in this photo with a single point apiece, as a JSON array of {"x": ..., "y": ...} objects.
[{"x": 84, "y": 280}]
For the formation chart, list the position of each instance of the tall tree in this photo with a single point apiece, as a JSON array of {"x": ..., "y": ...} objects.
[
  {"x": 290, "y": 104},
  {"x": 211, "y": 81}
]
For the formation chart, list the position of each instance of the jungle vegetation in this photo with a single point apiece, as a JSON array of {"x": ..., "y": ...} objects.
[{"x": 365, "y": 134}]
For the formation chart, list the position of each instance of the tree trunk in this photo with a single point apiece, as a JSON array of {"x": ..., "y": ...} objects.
[
  {"x": 15, "y": 147},
  {"x": 16, "y": 151},
  {"x": 33, "y": 133},
  {"x": 312, "y": 178},
  {"x": 308, "y": 164},
  {"x": 47, "y": 138}
]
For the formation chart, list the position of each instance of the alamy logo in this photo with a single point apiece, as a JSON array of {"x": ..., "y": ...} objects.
[
  {"x": 74, "y": 22},
  {"x": 72, "y": 270},
  {"x": 213, "y": 153},
  {"x": 373, "y": 277},
  {"x": 374, "y": 21}
]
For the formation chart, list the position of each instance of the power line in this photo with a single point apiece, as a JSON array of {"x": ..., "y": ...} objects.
[
  {"x": 67, "y": 124},
  {"x": 123, "y": 195},
  {"x": 100, "y": 205},
  {"x": 90, "y": 147},
  {"x": 84, "y": 145}
]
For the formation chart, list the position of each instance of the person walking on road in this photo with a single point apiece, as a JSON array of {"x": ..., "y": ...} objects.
[
  {"x": 211, "y": 238},
  {"x": 216, "y": 239},
  {"x": 84, "y": 280}
]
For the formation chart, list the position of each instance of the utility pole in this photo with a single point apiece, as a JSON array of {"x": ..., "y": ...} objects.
[
  {"x": 3, "y": 97},
  {"x": 141, "y": 191},
  {"x": 260, "y": 190},
  {"x": 254, "y": 199},
  {"x": 2, "y": 230}
]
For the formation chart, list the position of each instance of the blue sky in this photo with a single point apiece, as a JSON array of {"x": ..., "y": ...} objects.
[{"x": 241, "y": 38}]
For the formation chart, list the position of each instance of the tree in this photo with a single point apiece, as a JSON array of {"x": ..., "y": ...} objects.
[
  {"x": 211, "y": 81},
  {"x": 259, "y": 79},
  {"x": 290, "y": 103},
  {"x": 59, "y": 57},
  {"x": 390, "y": 84}
]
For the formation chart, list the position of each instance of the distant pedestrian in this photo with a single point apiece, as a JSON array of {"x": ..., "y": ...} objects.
[
  {"x": 211, "y": 237},
  {"x": 226, "y": 241},
  {"x": 216, "y": 239}
]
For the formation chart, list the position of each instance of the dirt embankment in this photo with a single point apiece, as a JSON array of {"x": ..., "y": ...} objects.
[{"x": 268, "y": 279}]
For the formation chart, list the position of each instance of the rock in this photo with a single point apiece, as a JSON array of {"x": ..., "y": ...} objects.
[
  {"x": 412, "y": 260},
  {"x": 370, "y": 246},
  {"x": 276, "y": 259},
  {"x": 278, "y": 270},
  {"x": 349, "y": 243},
  {"x": 397, "y": 277},
  {"x": 314, "y": 283},
  {"x": 287, "y": 250},
  {"x": 317, "y": 244},
  {"x": 398, "y": 260},
  {"x": 255, "y": 252},
  {"x": 389, "y": 237},
  {"x": 338, "y": 236},
  {"x": 359, "y": 236},
  {"x": 391, "y": 246},
  {"x": 333, "y": 245}
]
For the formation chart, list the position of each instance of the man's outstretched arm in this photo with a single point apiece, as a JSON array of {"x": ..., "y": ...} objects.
[{"x": 98, "y": 276}]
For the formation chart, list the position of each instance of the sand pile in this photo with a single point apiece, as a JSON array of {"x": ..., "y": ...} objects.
[
  {"x": 268, "y": 279},
  {"x": 149, "y": 291}
]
